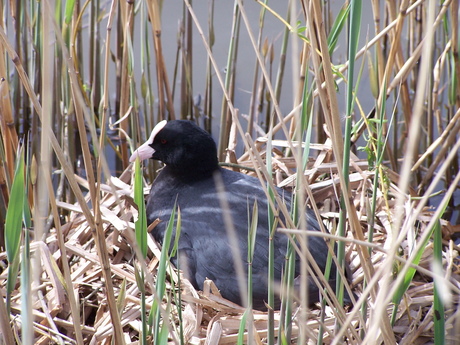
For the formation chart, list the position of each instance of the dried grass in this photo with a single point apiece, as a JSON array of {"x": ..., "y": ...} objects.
[{"x": 207, "y": 318}]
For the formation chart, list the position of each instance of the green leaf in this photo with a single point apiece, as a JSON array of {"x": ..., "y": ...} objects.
[
  {"x": 438, "y": 303},
  {"x": 141, "y": 223},
  {"x": 13, "y": 225},
  {"x": 337, "y": 28},
  {"x": 26, "y": 291},
  {"x": 252, "y": 231},
  {"x": 240, "y": 339},
  {"x": 13, "y": 222},
  {"x": 161, "y": 273},
  {"x": 69, "y": 6}
]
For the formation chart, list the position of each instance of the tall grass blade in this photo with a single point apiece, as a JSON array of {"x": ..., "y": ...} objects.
[
  {"x": 246, "y": 320},
  {"x": 272, "y": 225},
  {"x": 283, "y": 54},
  {"x": 252, "y": 232},
  {"x": 438, "y": 305},
  {"x": 13, "y": 225},
  {"x": 141, "y": 240},
  {"x": 141, "y": 223},
  {"x": 453, "y": 81},
  {"x": 375, "y": 156},
  {"x": 355, "y": 27},
  {"x": 241, "y": 329},
  {"x": 140, "y": 280},
  {"x": 161, "y": 274},
  {"x": 229, "y": 80},
  {"x": 13, "y": 221},
  {"x": 69, "y": 11},
  {"x": 121, "y": 297},
  {"x": 409, "y": 276},
  {"x": 26, "y": 293},
  {"x": 337, "y": 28},
  {"x": 163, "y": 336},
  {"x": 288, "y": 285}
]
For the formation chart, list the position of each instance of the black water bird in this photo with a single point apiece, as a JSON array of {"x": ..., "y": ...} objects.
[{"x": 190, "y": 157}]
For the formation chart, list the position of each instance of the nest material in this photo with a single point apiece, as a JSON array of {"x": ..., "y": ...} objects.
[{"x": 206, "y": 316}]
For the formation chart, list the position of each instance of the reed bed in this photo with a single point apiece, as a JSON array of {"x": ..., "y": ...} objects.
[{"x": 360, "y": 120}]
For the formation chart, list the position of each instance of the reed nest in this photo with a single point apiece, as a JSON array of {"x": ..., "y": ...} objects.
[{"x": 206, "y": 317}]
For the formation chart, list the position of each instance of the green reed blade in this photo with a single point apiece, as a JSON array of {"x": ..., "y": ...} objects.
[
  {"x": 438, "y": 304},
  {"x": 141, "y": 223},
  {"x": 13, "y": 224}
]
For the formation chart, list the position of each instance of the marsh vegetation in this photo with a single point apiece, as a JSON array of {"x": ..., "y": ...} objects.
[{"x": 353, "y": 105}]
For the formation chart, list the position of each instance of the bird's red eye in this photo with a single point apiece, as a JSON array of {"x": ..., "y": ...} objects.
[{"x": 163, "y": 141}]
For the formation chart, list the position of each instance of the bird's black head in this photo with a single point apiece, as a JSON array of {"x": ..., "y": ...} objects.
[{"x": 186, "y": 149}]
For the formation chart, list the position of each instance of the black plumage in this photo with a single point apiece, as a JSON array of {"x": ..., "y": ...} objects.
[{"x": 190, "y": 157}]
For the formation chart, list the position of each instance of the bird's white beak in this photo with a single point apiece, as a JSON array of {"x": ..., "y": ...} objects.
[{"x": 145, "y": 151}]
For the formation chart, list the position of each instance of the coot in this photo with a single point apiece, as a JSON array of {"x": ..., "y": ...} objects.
[{"x": 190, "y": 157}]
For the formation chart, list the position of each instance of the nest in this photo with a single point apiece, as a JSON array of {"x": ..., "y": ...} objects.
[{"x": 204, "y": 317}]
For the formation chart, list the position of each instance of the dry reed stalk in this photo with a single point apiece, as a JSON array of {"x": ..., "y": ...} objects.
[{"x": 164, "y": 89}]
